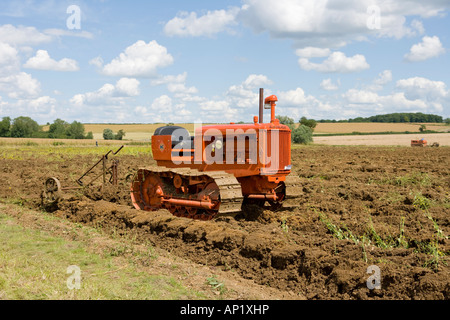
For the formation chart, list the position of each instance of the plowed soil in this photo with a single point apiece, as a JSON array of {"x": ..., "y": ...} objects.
[{"x": 387, "y": 207}]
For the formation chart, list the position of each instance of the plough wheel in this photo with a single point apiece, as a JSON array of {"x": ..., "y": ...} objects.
[{"x": 52, "y": 190}]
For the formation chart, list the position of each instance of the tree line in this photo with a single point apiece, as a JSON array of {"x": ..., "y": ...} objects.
[
  {"x": 402, "y": 117},
  {"x": 25, "y": 127}
]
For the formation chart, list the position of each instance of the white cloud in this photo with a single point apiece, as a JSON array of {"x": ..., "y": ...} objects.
[
  {"x": 127, "y": 87},
  {"x": 422, "y": 88},
  {"x": 312, "y": 52},
  {"x": 282, "y": 18},
  {"x": 163, "y": 109},
  {"x": 17, "y": 85},
  {"x": 9, "y": 59},
  {"x": 337, "y": 62},
  {"x": 328, "y": 24},
  {"x": 213, "y": 22},
  {"x": 213, "y": 105},
  {"x": 245, "y": 94},
  {"x": 97, "y": 61},
  {"x": 41, "y": 109},
  {"x": 40, "y": 105},
  {"x": 296, "y": 103},
  {"x": 162, "y": 104},
  {"x": 69, "y": 33},
  {"x": 4, "y": 107},
  {"x": 180, "y": 78},
  {"x": 218, "y": 111},
  {"x": 415, "y": 95},
  {"x": 295, "y": 97},
  {"x": 327, "y": 84},
  {"x": 176, "y": 84},
  {"x": 293, "y": 103},
  {"x": 108, "y": 94},
  {"x": 185, "y": 97},
  {"x": 398, "y": 102},
  {"x": 144, "y": 113},
  {"x": 20, "y": 85},
  {"x": 379, "y": 82},
  {"x": 181, "y": 88},
  {"x": 22, "y": 35},
  {"x": 104, "y": 95},
  {"x": 140, "y": 110},
  {"x": 139, "y": 60},
  {"x": 227, "y": 108},
  {"x": 256, "y": 81},
  {"x": 361, "y": 96},
  {"x": 430, "y": 47},
  {"x": 418, "y": 26},
  {"x": 409, "y": 95},
  {"x": 384, "y": 77},
  {"x": 42, "y": 61}
]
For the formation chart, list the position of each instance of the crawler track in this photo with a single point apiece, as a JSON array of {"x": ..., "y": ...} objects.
[{"x": 200, "y": 195}]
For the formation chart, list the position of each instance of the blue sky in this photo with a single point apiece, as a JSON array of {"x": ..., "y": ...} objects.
[{"x": 185, "y": 61}]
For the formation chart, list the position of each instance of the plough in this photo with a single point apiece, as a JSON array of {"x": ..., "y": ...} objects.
[{"x": 52, "y": 186}]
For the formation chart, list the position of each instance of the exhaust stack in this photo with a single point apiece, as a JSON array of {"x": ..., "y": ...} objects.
[{"x": 261, "y": 105}]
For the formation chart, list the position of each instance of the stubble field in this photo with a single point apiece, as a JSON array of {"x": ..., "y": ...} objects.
[
  {"x": 143, "y": 132},
  {"x": 384, "y": 139},
  {"x": 361, "y": 207}
]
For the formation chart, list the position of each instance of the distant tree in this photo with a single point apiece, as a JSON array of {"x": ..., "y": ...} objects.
[
  {"x": 119, "y": 135},
  {"x": 5, "y": 127},
  {"x": 287, "y": 121},
  {"x": 58, "y": 129},
  {"x": 422, "y": 128},
  {"x": 89, "y": 135},
  {"x": 309, "y": 123},
  {"x": 447, "y": 121},
  {"x": 108, "y": 134},
  {"x": 24, "y": 127},
  {"x": 75, "y": 130},
  {"x": 302, "y": 134}
]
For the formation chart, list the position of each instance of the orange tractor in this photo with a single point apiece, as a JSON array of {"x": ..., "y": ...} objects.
[
  {"x": 219, "y": 168},
  {"x": 419, "y": 143}
]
